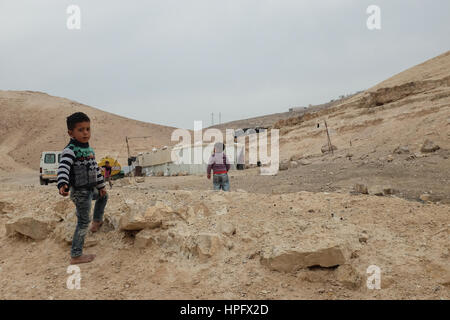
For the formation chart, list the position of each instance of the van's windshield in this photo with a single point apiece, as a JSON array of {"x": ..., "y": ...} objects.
[{"x": 50, "y": 158}]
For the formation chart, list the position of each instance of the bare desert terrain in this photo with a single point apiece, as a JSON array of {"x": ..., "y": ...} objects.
[{"x": 310, "y": 232}]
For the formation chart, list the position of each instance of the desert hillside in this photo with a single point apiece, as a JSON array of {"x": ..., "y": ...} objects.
[
  {"x": 312, "y": 231},
  {"x": 406, "y": 109},
  {"x": 32, "y": 122},
  {"x": 269, "y": 120}
]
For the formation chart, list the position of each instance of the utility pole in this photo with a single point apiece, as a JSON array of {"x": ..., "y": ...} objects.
[
  {"x": 330, "y": 146},
  {"x": 220, "y": 117},
  {"x": 212, "y": 118},
  {"x": 128, "y": 147}
]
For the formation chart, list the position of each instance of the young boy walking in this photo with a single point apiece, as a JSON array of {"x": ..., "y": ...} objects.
[
  {"x": 220, "y": 166},
  {"x": 78, "y": 172}
]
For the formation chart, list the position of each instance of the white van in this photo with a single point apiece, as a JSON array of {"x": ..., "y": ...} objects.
[{"x": 49, "y": 166}]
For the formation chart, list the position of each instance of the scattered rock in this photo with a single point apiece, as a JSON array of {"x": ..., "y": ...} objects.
[
  {"x": 89, "y": 242},
  {"x": 140, "y": 179},
  {"x": 363, "y": 238},
  {"x": 296, "y": 157},
  {"x": 386, "y": 282},
  {"x": 284, "y": 165},
  {"x": 429, "y": 146},
  {"x": 293, "y": 164},
  {"x": 304, "y": 162},
  {"x": 222, "y": 211},
  {"x": 132, "y": 221},
  {"x": 293, "y": 260},
  {"x": 426, "y": 197},
  {"x": 207, "y": 245},
  {"x": 325, "y": 148},
  {"x": 122, "y": 182},
  {"x": 154, "y": 217},
  {"x": 229, "y": 244},
  {"x": 35, "y": 228},
  {"x": 389, "y": 191},
  {"x": 227, "y": 228},
  {"x": 201, "y": 209},
  {"x": 347, "y": 276},
  {"x": 390, "y": 158},
  {"x": 377, "y": 190},
  {"x": 360, "y": 188},
  {"x": 5, "y": 207},
  {"x": 401, "y": 150},
  {"x": 144, "y": 238}
]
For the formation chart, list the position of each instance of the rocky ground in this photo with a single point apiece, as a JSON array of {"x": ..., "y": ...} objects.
[
  {"x": 312, "y": 231},
  {"x": 180, "y": 244}
]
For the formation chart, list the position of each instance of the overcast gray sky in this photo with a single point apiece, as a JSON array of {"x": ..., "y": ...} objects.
[{"x": 173, "y": 62}]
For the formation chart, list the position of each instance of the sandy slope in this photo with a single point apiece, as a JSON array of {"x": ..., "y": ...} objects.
[{"x": 32, "y": 122}]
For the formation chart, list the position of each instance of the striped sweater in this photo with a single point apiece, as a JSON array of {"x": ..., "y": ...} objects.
[
  {"x": 78, "y": 167},
  {"x": 218, "y": 163}
]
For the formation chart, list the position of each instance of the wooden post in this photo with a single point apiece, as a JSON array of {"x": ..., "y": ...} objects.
[
  {"x": 330, "y": 146},
  {"x": 128, "y": 147}
]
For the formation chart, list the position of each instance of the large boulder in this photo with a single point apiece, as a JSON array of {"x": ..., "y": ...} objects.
[
  {"x": 155, "y": 216},
  {"x": 429, "y": 146},
  {"x": 132, "y": 221},
  {"x": 35, "y": 228},
  {"x": 291, "y": 260}
]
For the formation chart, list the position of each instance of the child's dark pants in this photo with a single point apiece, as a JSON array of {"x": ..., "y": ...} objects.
[{"x": 82, "y": 198}]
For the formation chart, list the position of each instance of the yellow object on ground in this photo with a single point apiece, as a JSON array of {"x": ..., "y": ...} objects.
[{"x": 115, "y": 165}]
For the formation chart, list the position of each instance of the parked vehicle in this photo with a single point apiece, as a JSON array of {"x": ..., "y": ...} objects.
[{"x": 49, "y": 166}]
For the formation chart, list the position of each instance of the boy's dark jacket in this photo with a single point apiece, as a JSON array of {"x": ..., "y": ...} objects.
[{"x": 78, "y": 168}]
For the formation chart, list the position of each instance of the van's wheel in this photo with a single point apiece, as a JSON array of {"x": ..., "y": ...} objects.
[{"x": 43, "y": 181}]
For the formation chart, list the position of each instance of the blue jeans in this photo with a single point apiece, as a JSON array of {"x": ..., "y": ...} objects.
[
  {"x": 83, "y": 202},
  {"x": 220, "y": 181}
]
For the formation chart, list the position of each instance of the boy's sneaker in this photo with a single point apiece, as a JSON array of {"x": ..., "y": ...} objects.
[{"x": 95, "y": 226}]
